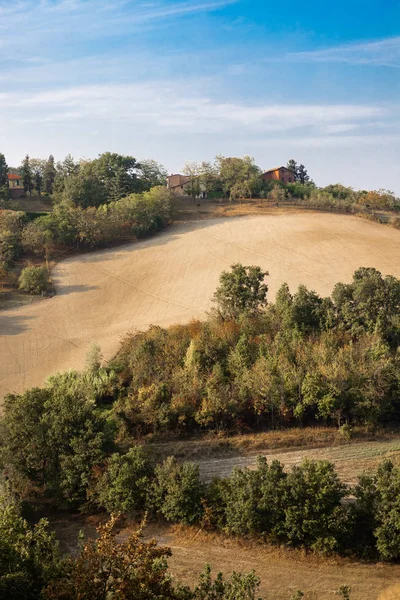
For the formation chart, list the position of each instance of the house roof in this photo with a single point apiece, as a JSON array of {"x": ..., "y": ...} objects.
[
  {"x": 14, "y": 176},
  {"x": 276, "y": 169}
]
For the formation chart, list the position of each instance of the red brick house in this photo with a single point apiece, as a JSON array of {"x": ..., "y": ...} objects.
[
  {"x": 282, "y": 174},
  {"x": 15, "y": 185}
]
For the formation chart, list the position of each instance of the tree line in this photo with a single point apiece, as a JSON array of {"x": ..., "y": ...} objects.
[
  {"x": 251, "y": 365},
  {"x": 241, "y": 178},
  {"x": 69, "y": 226},
  {"x": 84, "y": 183}
]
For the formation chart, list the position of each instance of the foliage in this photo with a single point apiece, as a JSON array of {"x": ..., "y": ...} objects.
[
  {"x": 34, "y": 280},
  {"x": 177, "y": 491},
  {"x": 152, "y": 174},
  {"x": 29, "y": 557},
  {"x": 3, "y": 172},
  {"x": 253, "y": 500},
  {"x": 370, "y": 302},
  {"x": 312, "y": 506},
  {"x": 241, "y": 291},
  {"x": 108, "y": 569},
  {"x": 234, "y": 171},
  {"x": 49, "y": 175},
  {"x": 27, "y": 176},
  {"x": 123, "y": 486},
  {"x": 54, "y": 437}
]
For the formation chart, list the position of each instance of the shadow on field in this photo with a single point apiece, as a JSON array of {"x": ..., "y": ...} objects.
[
  {"x": 72, "y": 289},
  {"x": 13, "y": 325}
]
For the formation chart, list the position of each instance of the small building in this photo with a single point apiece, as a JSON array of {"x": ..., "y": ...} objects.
[
  {"x": 282, "y": 174},
  {"x": 176, "y": 184},
  {"x": 15, "y": 185},
  {"x": 180, "y": 185}
]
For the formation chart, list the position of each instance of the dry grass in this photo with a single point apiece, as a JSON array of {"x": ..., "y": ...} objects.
[
  {"x": 217, "y": 455},
  {"x": 218, "y": 445},
  {"x": 282, "y": 571}
]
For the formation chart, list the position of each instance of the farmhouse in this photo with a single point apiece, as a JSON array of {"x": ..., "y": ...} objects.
[
  {"x": 176, "y": 184},
  {"x": 180, "y": 185},
  {"x": 279, "y": 174},
  {"x": 15, "y": 185}
]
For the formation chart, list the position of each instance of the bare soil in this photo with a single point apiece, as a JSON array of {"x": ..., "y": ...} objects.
[{"x": 171, "y": 278}]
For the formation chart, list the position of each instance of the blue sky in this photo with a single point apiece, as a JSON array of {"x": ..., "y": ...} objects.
[{"x": 190, "y": 79}]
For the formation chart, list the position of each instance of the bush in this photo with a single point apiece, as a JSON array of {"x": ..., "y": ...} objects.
[
  {"x": 29, "y": 557},
  {"x": 177, "y": 491},
  {"x": 312, "y": 504},
  {"x": 55, "y": 437},
  {"x": 34, "y": 280},
  {"x": 253, "y": 500},
  {"x": 124, "y": 485}
]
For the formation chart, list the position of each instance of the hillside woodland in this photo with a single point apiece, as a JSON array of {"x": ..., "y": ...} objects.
[{"x": 78, "y": 441}]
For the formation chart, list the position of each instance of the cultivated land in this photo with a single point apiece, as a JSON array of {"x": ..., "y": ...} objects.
[{"x": 170, "y": 279}]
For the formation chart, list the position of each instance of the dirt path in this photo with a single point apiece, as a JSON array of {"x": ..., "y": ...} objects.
[
  {"x": 171, "y": 278},
  {"x": 350, "y": 460}
]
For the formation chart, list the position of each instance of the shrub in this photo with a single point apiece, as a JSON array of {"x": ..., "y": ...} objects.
[
  {"x": 124, "y": 485},
  {"x": 253, "y": 499},
  {"x": 29, "y": 557},
  {"x": 395, "y": 222},
  {"x": 388, "y": 511},
  {"x": 177, "y": 491},
  {"x": 34, "y": 280},
  {"x": 313, "y": 511},
  {"x": 54, "y": 437}
]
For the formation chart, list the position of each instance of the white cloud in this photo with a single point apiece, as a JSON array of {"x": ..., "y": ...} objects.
[
  {"x": 164, "y": 105},
  {"x": 337, "y": 141},
  {"x": 98, "y": 17},
  {"x": 384, "y": 52}
]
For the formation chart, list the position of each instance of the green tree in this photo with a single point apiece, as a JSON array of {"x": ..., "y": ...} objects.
[
  {"x": 241, "y": 291},
  {"x": 313, "y": 510},
  {"x": 29, "y": 556},
  {"x": 4, "y": 184},
  {"x": 34, "y": 280},
  {"x": 55, "y": 437},
  {"x": 85, "y": 187},
  {"x": 49, "y": 175},
  {"x": 152, "y": 174},
  {"x": 370, "y": 303},
  {"x": 254, "y": 500},
  {"x": 177, "y": 491},
  {"x": 293, "y": 166},
  {"x": 235, "y": 170},
  {"x": 27, "y": 177},
  {"x": 302, "y": 175},
  {"x": 240, "y": 191},
  {"x": 193, "y": 171},
  {"x": 387, "y": 532},
  {"x": 119, "y": 174},
  {"x": 124, "y": 485},
  {"x": 3, "y": 171},
  {"x": 64, "y": 169},
  {"x": 37, "y": 167}
]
